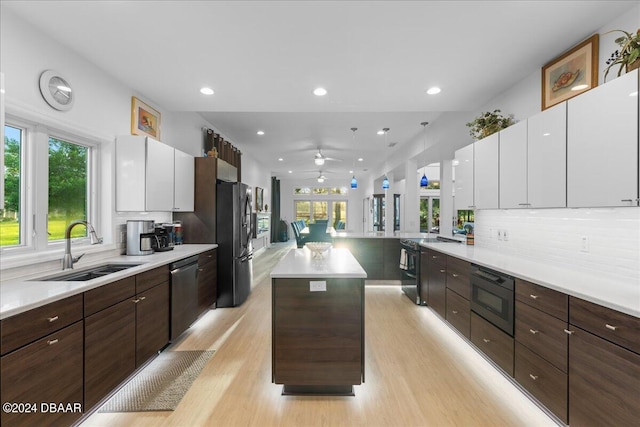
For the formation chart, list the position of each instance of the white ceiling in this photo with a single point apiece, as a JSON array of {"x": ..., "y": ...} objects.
[{"x": 264, "y": 58}]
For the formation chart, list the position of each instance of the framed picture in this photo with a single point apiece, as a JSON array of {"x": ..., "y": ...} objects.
[
  {"x": 144, "y": 119},
  {"x": 570, "y": 74},
  {"x": 259, "y": 201}
]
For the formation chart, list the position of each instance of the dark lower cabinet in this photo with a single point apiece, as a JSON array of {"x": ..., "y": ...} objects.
[
  {"x": 207, "y": 280},
  {"x": 47, "y": 371},
  {"x": 378, "y": 256},
  {"x": 424, "y": 278},
  {"x": 543, "y": 380},
  {"x": 497, "y": 345},
  {"x": 604, "y": 382},
  {"x": 152, "y": 322},
  {"x": 109, "y": 350},
  {"x": 437, "y": 280},
  {"x": 459, "y": 313}
]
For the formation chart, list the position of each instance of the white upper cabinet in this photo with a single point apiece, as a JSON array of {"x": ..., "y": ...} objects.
[
  {"x": 159, "y": 194},
  {"x": 485, "y": 173},
  {"x": 602, "y": 145},
  {"x": 184, "y": 184},
  {"x": 513, "y": 166},
  {"x": 547, "y": 158},
  {"x": 464, "y": 178},
  {"x": 152, "y": 176}
]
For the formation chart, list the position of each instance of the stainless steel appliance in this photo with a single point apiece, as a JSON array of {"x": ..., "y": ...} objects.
[
  {"x": 184, "y": 295},
  {"x": 235, "y": 252},
  {"x": 140, "y": 237},
  {"x": 410, "y": 269},
  {"x": 492, "y": 297}
]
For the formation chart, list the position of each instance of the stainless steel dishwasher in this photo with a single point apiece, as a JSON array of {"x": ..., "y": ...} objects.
[{"x": 184, "y": 295}]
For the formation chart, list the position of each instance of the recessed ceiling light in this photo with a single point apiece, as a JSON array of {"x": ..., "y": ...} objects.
[
  {"x": 380, "y": 132},
  {"x": 280, "y": 159},
  {"x": 546, "y": 134},
  {"x": 579, "y": 87},
  {"x": 206, "y": 91},
  {"x": 260, "y": 132},
  {"x": 634, "y": 93},
  {"x": 433, "y": 90},
  {"x": 360, "y": 159},
  {"x": 320, "y": 91},
  {"x": 350, "y": 171},
  {"x": 290, "y": 171}
]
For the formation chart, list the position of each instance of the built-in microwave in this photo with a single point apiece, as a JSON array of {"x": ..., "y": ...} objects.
[{"x": 492, "y": 297}]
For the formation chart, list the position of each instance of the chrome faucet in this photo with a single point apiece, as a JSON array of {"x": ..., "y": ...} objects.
[{"x": 68, "y": 260}]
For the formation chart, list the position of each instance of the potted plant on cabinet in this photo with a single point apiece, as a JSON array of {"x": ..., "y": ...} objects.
[
  {"x": 628, "y": 56},
  {"x": 489, "y": 123}
]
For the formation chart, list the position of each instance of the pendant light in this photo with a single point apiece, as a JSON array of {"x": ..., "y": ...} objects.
[
  {"x": 424, "y": 182},
  {"x": 354, "y": 181},
  {"x": 385, "y": 180}
]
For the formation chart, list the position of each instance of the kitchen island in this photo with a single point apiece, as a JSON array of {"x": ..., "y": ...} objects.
[{"x": 318, "y": 323}]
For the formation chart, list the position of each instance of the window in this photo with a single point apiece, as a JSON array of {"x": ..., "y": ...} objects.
[
  {"x": 313, "y": 210},
  {"x": 320, "y": 191},
  {"x": 68, "y": 192},
  {"x": 11, "y": 231},
  {"x": 303, "y": 211},
  {"x": 49, "y": 182}
]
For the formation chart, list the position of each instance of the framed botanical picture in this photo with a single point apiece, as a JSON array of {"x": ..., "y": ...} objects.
[
  {"x": 259, "y": 201},
  {"x": 144, "y": 119},
  {"x": 570, "y": 74}
]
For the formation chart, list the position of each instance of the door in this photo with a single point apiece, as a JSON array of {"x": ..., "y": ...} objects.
[{"x": 378, "y": 212}]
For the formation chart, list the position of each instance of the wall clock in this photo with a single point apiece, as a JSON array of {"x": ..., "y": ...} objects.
[{"x": 56, "y": 90}]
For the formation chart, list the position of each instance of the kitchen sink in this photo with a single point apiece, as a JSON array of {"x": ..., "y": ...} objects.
[{"x": 89, "y": 274}]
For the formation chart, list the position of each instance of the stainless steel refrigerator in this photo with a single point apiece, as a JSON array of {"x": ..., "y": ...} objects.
[{"x": 235, "y": 252}]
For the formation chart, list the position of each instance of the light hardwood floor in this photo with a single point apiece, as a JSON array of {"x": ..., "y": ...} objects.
[{"x": 418, "y": 372}]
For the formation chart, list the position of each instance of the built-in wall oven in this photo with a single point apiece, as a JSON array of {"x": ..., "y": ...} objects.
[
  {"x": 492, "y": 297},
  {"x": 410, "y": 269}
]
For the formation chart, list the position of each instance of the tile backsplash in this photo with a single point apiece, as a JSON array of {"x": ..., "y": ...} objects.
[{"x": 598, "y": 239}]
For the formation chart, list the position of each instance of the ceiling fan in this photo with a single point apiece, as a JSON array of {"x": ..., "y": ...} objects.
[{"x": 320, "y": 158}]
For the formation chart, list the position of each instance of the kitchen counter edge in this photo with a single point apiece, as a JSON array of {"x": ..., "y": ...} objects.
[{"x": 24, "y": 294}]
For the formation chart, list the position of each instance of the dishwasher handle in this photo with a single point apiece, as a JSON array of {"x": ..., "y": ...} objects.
[{"x": 183, "y": 263}]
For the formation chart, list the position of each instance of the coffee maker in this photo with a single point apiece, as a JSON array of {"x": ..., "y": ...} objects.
[
  {"x": 140, "y": 237},
  {"x": 164, "y": 238}
]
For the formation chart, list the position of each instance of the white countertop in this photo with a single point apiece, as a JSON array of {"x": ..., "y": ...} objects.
[
  {"x": 621, "y": 295},
  {"x": 17, "y": 296},
  {"x": 337, "y": 263},
  {"x": 380, "y": 235}
]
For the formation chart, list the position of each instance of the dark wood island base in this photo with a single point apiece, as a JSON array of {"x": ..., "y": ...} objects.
[{"x": 317, "y": 327}]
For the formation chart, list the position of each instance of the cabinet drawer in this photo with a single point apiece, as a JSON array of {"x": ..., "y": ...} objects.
[
  {"x": 611, "y": 325},
  {"x": 544, "y": 299},
  {"x": 151, "y": 278},
  {"x": 47, "y": 370},
  {"x": 26, "y": 327},
  {"x": 542, "y": 333},
  {"x": 492, "y": 342},
  {"x": 105, "y": 296},
  {"x": 207, "y": 257},
  {"x": 459, "y": 312},
  {"x": 546, "y": 382},
  {"x": 604, "y": 382},
  {"x": 458, "y": 276},
  {"x": 437, "y": 257}
]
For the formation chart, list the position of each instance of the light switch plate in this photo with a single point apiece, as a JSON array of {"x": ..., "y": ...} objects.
[{"x": 317, "y": 285}]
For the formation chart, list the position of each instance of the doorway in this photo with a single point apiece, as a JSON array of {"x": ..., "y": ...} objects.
[{"x": 430, "y": 214}]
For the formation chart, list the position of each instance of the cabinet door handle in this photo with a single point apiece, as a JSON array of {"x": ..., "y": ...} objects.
[
  {"x": 533, "y": 331},
  {"x": 533, "y": 296},
  {"x": 486, "y": 340},
  {"x": 52, "y": 319},
  {"x": 135, "y": 301},
  {"x": 454, "y": 311},
  {"x": 209, "y": 256},
  {"x": 201, "y": 269},
  {"x": 608, "y": 326},
  {"x": 568, "y": 332},
  {"x": 533, "y": 377},
  {"x": 142, "y": 298},
  {"x": 627, "y": 200},
  {"x": 52, "y": 342},
  {"x": 524, "y": 204},
  {"x": 454, "y": 274},
  {"x": 434, "y": 256},
  {"x": 443, "y": 271}
]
